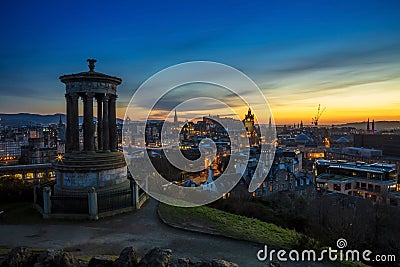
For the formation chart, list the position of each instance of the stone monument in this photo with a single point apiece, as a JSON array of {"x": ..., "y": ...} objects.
[{"x": 96, "y": 165}]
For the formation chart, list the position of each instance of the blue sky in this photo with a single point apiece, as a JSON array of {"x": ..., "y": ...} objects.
[{"x": 341, "y": 54}]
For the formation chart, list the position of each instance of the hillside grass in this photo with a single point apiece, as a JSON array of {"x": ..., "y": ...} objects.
[{"x": 213, "y": 221}]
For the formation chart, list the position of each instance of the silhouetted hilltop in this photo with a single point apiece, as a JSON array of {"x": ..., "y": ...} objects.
[
  {"x": 379, "y": 125},
  {"x": 28, "y": 119}
]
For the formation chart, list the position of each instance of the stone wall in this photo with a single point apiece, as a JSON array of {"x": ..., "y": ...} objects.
[{"x": 96, "y": 179}]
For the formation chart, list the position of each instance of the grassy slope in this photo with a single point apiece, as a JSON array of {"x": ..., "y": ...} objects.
[
  {"x": 230, "y": 225},
  {"x": 209, "y": 220}
]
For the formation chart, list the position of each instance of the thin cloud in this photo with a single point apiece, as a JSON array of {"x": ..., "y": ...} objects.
[{"x": 344, "y": 58}]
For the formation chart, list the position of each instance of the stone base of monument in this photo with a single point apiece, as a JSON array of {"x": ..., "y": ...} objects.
[
  {"x": 82, "y": 170},
  {"x": 91, "y": 185}
]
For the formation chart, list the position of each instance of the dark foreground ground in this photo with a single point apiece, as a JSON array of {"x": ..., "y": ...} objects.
[{"x": 142, "y": 230}]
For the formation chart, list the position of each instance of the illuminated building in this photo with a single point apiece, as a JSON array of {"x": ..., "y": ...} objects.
[
  {"x": 37, "y": 153},
  {"x": 10, "y": 150},
  {"x": 285, "y": 174},
  {"x": 251, "y": 128},
  {"x": 375, "y": 181}
]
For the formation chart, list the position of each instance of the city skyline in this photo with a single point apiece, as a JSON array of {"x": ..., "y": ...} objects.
[
  {"x": 277, "y": 123},
  {"x": 344, "y": 56}
]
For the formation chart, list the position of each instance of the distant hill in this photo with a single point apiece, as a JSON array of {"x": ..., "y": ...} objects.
[
  {"x": 379, "y": 125},
  {"x": 28, "y": 119}
]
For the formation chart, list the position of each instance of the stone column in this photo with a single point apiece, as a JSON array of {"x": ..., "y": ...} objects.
[
  {"x": 92, "y": 204},
  {"x": 88, "y": 131},
  {"x": 112, "y": 118},
  {"x": 68, "y": 141},
  {"x": 74, "y": 123},
  {"x": 46, "y": 202},
  {"x": 100, "y": 122},
  {"x": 106, "y": 130},
  {"x": 136, "y": 196}
]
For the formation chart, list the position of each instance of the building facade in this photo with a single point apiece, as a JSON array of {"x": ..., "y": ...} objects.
[
  {"x": 377, "y": 181},
  {"x": 388, "y": 143},
  {"x": 253, "y": 132},
  {"x": 37, "y": 153}
]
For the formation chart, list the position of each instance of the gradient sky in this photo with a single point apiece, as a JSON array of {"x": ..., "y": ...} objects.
[{"x": 344, "y": 55}]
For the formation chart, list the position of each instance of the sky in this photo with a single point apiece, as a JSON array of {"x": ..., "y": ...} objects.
[{"x": 344, "y": 55}]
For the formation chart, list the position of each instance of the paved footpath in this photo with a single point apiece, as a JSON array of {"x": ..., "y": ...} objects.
[{"x": 142, "y": 230}]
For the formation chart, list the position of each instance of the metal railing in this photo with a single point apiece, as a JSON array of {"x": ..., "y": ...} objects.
[
  {"x": 69, "y": 203},
  {"x": 114, "y": 200},
  {"x": 39, "y": 191}
]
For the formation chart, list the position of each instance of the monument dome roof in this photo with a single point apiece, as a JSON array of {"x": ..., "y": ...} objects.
[{"x": 90, "y": 75}]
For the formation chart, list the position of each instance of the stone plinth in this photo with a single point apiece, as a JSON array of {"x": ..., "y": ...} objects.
[{"x": 80, "y": 170}]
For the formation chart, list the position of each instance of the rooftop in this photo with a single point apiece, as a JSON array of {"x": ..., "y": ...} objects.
[
  {"x": 358, "y": 166},
  {"x": 345, "y": 179}
]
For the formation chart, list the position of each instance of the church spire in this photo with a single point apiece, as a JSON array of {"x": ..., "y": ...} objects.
[
  {"x": 373, "y": 126},
  {"x": 175, "y": 118}
]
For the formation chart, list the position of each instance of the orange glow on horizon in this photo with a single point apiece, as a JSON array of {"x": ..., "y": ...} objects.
[{"x": 379, "y": 101}]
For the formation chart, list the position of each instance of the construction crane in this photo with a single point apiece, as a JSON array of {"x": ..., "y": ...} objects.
[{"x": 318, "y": 115}]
